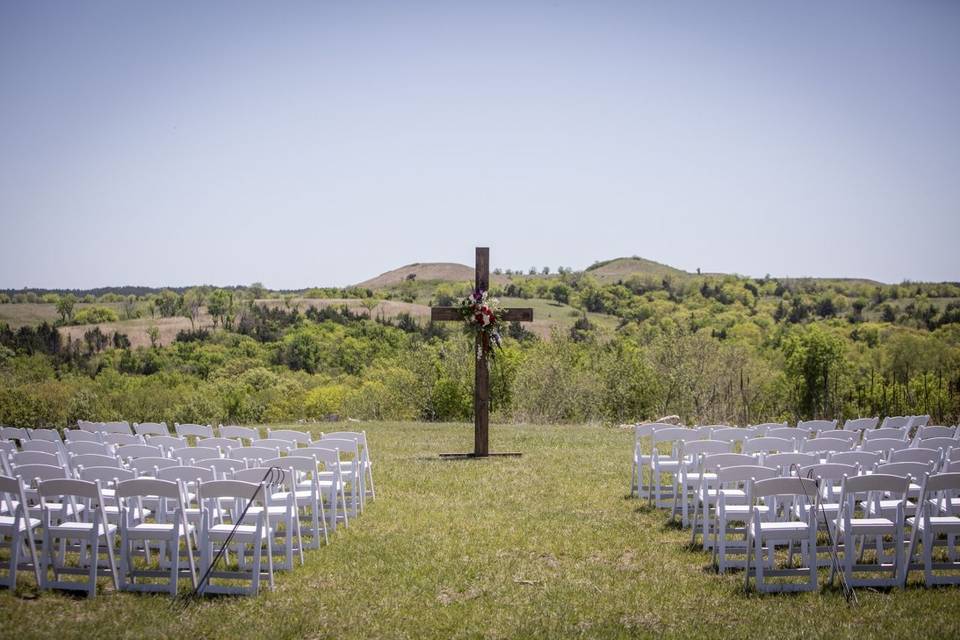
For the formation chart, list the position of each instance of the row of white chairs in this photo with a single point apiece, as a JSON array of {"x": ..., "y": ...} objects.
[
  {"x": 266, "y": 506},
  {"x": 900, "y": 501},
  {"x": 156, "y": 434},
  {"x": 775, "y": 437},
  {"x": 331, "y": 489}
]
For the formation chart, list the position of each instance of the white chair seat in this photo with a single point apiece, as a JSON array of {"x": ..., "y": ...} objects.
[
  {"x": 80, "y": 528},
  {"x": 868, "y": 526},
  {"x": 942, "y": 524},
  {"x": 743, "y": 509},
  {"x": 281, "y": 496},
  {"x": 6, "y": 524},
  {"x": 149, "y": 530},
  {"x": 776, "y": 528},
  {"x": 245, "y": 532}
]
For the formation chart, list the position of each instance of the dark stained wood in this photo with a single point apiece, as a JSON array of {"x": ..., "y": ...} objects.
[
  {"x": 481, "y": 387},
  {"x": 438, "y": 314},
  {"x": 483, "y": 268},
  {"x": 445, "y": 313},
  {"x": 518, "y": 315}
]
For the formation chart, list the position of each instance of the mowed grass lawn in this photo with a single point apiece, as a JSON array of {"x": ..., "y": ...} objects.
[{"x": 547, "y": 545}]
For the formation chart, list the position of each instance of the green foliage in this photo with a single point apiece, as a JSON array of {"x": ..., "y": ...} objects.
[
  {"x": 65, "y": 305},
  {"x": 94, "y": 315}
]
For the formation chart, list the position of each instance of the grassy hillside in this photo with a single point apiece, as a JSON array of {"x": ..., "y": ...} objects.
[
  {"x": 543, "y": 546},
  {"x": 623, "y": 268},
  {"x": 425, "y": 271}
]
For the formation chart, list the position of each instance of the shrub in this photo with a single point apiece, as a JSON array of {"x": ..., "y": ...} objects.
[{"x": 94, "y": 315}]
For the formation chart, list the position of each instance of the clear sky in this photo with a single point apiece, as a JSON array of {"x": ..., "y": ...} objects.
[{"x": 321, "y": 143}]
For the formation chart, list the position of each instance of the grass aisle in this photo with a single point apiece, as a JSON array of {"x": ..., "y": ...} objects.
[{"x": 546, "y": 545}]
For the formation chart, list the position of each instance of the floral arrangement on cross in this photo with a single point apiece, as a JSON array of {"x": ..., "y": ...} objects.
[{"x": 483, "y": 316}]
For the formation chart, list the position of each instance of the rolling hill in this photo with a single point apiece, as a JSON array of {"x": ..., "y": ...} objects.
[
  {"x": 623, "y": 268},
  {"x": 422, "y": 272}
]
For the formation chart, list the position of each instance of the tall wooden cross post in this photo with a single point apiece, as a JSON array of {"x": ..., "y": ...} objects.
[{"x": 481, "y": 388}]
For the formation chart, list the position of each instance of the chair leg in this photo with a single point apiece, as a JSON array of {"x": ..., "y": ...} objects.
[
  {"x": 92, "y": 590},
  {"x": 15, "y": 542},
  {"x": 174, "y": 547}
]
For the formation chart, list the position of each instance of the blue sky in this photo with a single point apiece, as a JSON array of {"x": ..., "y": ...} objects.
[{"x": 319, "y": 143}]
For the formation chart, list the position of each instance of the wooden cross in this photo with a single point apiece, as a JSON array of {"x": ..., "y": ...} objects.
[{"x": 481, "y": 387}]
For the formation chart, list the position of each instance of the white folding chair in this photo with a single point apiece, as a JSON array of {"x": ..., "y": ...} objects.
[
  {"x": 256, "y": 534},
  {"x": 795, "y": 435},
  {"x": 732, "y": 435},
  {"x": 131, "y": 451},
  {"x": 169, "y": 443},
  {"x": 93, "y": 460},
  {"x": 21, "y": 458},
  {"x": 785, "y": 462},
  {"x": 150, "y": 466},
  {"x": 62, "y": 527},
  {"x": 919, "y": 454},
  {"x": 88, "y": 426},
  {"x": 815, "y": 426},
  {"x": 706, "y": 494},
  {"x": 151, "y": 428},
  {"x": 276, "y": 444},
  {"x": 824, "y": 446},
  {"x": 169, "y": 527},
  {"x": 829, "y": 477},
  {"x": 837, "y": 434},
  {"x": 308, "y": 493},
  {"x": 859, "y": 518},
  {"x": 80, "y": 447},
  {"x": 224, "y": 444},
  {"x": 283, "y": 516},
  {"x": 884, "y": 445},
  {"x": 253, "y": 455},
  {"x": 331, "y": 483},
  {"x": 108, "y": 478},
  {"x": 641, "y": 459},
  {"x": 866, "y": 460},
  {"x": 895, "y": 422},
  {"x": 117, "y": 426},
  {"x": 14, "y": 433},
  {"x": 42, "y": 445},
  {"x": 48, "y": 435},
  {"x": 17, "y": 530},
  {"x": 765, "y": 444},
  {"x": 762, "y": 428},
  {"x": 239, "y": 433},
  {"x": 120, "y": 439},
  {"x": 223, "y": 468},
  {"x": 295, "y": 437},
  {"x": 360, "y": 437},
  {"x": 198, "y": 430},
  {"x": 668, "y": 464},
  {"x": 938, "y": 514},
  {"x": 861, "y": 424},
  {"x": 777, "y": 523},
  {"x": 885, "y": 433},
  {"x": 192, "y": 455},
  {"x": 934, "y": 431},
  {"x": 77, "y": 435},
  {"x": 733, "y": 507},
  {"x": 689, "y": 477}
]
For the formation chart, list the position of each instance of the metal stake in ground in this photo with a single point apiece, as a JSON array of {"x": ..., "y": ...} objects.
[{"x": 481, "y": 387}]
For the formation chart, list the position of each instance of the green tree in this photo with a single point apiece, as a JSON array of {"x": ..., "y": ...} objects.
[
  {"x": 812, "y": 357},
  {"x": 219, "y": 306},
  {"x": 193, "y": 300},
  {"x": 65, "y": 307}
]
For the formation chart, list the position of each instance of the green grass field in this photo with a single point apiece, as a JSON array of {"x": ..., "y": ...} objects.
[{"x": 547, "y": 545}]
